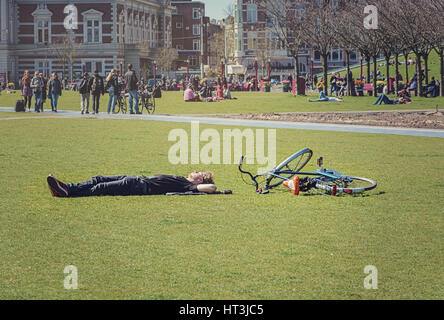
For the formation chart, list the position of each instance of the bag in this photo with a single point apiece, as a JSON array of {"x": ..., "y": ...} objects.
[
  {"x": 20, "y": 106},
  {"x": 97, "y": 84},
  {"x": 157, "y": 93},
  {"x": 83, "y": 87},
  {"x": 133, "y": 81}
]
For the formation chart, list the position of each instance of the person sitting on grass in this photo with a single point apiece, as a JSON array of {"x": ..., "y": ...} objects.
[
  {"x": 133, "y": 186},
  {"x": 189, "y": 95},
  {"x": 324, "y": 98}
]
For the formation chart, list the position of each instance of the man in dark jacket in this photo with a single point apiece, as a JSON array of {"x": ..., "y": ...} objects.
[
  {"x": 85, "y": 90},
  {"x": 131, "y": 84},
  {"x": 54, "y": 91},
  {"x": 97, "y": 88}
]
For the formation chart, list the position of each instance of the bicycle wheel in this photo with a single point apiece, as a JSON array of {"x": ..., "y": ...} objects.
[
  {"x": 117, "y": 106},
  {"x": 293, "y": 164},
  {"x": 123, "y": 106},
  {"x": 151, "y": 105},
  {"x": 344, "y": 184}
]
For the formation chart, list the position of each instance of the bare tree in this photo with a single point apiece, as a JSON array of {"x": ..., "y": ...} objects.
[
  {"x": 286, "y": 19},
  {"x": 66, "y": 50},
  {"x": 318, "y": 31},
  {"x": 166, "y": 58}
]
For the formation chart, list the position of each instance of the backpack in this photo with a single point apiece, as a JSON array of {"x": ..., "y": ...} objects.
[
  {"x": 133, "y": 80},
  {"x": 97, "y": 83},
  {"x": 83, "y": 88},
  {"x": 20, "y": 106},
  {"x": 157, "y": 93}
]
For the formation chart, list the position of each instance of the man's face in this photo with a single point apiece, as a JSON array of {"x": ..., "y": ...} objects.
[{"x": 196, "y": 177}]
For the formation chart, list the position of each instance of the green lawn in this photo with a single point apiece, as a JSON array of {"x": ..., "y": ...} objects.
[
  {"x": 248, "y": 102},
  {"x": 243, "y": 246}
]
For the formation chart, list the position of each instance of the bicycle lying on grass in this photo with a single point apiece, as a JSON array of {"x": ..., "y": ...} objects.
[{"x": 322, "y": 181}]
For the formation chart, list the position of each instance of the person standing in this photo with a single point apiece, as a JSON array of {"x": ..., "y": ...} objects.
[
  {"x": 26, "y": 89},
  {"x": 54, "y": 91},
  {"x": 333, "y": 85},
  {"x": 44, "y": 91},
  {"x": 85, "y": 91},
  {"x": 36, "y": 85},
  {"x": 97, "y": 89},
  {"x": 114, "y": 89},
  {"x": 131, "y": 85}
]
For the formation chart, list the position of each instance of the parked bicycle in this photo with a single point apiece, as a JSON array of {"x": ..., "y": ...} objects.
[
  {"x": 323, "y": 181},
  {"x": 146, "y": 99},
  {"x": 121, "y": 105}
]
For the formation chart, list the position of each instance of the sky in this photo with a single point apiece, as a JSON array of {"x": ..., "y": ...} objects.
[{"x": 215, "y": 9}]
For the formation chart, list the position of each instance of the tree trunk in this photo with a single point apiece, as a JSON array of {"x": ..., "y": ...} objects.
[
  {"x": 426, "y": 67},
  {"x": 325, "y": 70},
  {"x": 347, "y": 62},
  {"x": 406, "y": 58},
  {"x": 387, "y": 70},
  {"x": 375, "y": 78},
  {"x": 418, "y": 74},
  {"x": 396, "y": 73},
  {"x": 297, "y": 72},
  {"x": 368, "y": 69},
  {"x": 441, "y": 60}
]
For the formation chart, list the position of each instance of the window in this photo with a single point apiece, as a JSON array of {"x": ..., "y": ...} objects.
[
  {"x": 44, "y": 66},
  {"x": 92, "y": 31},
  {"x": 252, "y": 41},
  {"x": 196, "y": 29},
  {"x": 353, "y": 56},
  {"x": 196, "y": 13},
  {"x": 92, "y": 27},
  {"x": 251, "y": 13},
  {"x": 317, "y": 55},
  {"x": 193, "y": 61},
  {"x": 92, "y": 65},
  {"x": 42, "y": 24},
  {"x": 196, "y": 44},
  {"x": 43, "y": 31},
  {"x": 335, "y": 55},
  {"x": 179, "y": 25}
]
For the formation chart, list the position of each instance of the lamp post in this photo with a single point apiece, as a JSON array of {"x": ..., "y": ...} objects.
[
  {"x": 188, "y": 70},
  {"x": 255, "y": 65},
  {"x": 222, "y": 71},
  {"x": 154, "y": 63}
]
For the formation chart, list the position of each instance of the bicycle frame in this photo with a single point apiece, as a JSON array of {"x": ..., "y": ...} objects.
[{"x": 321, "y": 175}]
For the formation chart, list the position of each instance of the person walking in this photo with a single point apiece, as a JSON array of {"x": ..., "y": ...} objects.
[
  {"x": 26, "y": 89},
  {"x": 114, "y": 89},
  {"x": 85, "y": 92},
  {"x": 97, "y": 88},
  {"x": 36, "y": 85},
  {"x": 54, "y": 91},
  {"x": 131, "y": 85},
  {"x": 333, "y": 85}
]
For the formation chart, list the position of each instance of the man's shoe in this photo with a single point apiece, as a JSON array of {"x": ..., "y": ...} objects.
[
  {"x": 57, "y": 187},
  {"x": 138, "y": 112}
]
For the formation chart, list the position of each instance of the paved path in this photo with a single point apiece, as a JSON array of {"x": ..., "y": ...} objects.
[{"x": 251, "y": 123}]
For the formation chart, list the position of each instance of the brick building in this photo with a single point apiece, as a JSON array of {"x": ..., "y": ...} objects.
[
  {"x": 190, "y": 32},
  {"x": 255, "y": 40},
  {"x": 109, "y": 34}
]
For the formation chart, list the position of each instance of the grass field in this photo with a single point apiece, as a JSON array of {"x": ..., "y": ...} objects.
[
  {"x": 242, "y": 246},
  {"x": 248, "y": 102}
]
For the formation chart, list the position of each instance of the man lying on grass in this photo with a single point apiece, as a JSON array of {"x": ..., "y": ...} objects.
[{"x": 133, "y": 186}]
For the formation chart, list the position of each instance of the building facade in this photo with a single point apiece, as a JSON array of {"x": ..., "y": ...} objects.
[
  {"x": 190, "y": 33},
  {"x": 255, "y": 39},
  {"x": 56, "y": 36}
]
